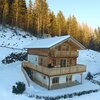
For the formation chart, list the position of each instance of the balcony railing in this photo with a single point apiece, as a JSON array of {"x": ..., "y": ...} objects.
[
  {"x": 55, "y": 71},
  {"x": 65, "y": 54}
]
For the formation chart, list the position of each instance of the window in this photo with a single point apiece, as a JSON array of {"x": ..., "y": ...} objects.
[
  {"x": 71, "y": 61},
  {"x": 36, "y": 59},
  {"x": 59, "y": 48},
  {"x": 41, "y": 61},
  {"x": 55, "y": 80},
  {"x": 63, "y": 48},
  {"x": 67, "y": 48},
  {"x": 54, "y": 62},
  {"x": 70, "y": 77},
  {"x": 50, "y": 54},
  {"x": 44, "y": 77},
  {"x": 66, "y": 78},
  {"x": 63, "y": 63}
]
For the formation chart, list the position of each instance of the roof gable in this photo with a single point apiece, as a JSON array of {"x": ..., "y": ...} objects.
[{"x": 54, "y": 41}]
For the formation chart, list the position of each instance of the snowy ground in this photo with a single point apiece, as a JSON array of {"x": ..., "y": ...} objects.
[{"x": 11, "y": 73}]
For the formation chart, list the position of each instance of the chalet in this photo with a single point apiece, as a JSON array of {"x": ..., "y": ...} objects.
[{"x": 52, "y": 62}]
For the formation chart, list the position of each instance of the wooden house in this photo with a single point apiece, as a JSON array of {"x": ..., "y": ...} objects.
[{"x": 52, "y": 62}]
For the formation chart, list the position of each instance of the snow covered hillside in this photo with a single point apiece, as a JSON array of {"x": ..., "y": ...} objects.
[
  {"x": 11, "y": 37},
  {"x": 11, "y": 73}
]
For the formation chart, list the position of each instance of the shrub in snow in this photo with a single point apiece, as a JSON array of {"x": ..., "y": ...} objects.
[
  {"x": 19, "y": 88},
  {"x": 65, "y": 96},
  {"x": 15, "y": 57},
  {"x": 24, "y": 36},
  {"x": 89, "y": 76}
]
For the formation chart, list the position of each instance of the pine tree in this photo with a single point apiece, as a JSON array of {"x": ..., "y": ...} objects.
[
  {"x": 37, "y": 12},
  {"x": 1, "y": 10},
  {"x": 72, "y": 27},
  {"x": 44, "y": 16},
  {"x": 5, "y": 12},
  {"x": 81, "y": 34},
  {"x": 41, "y": 15},
  {"x": 30, "y": 16},
  {"x": 91, "y": 43},
  {"x": 86, "y": 35},
  {"x": 9, "y": 21},
  {"x": 97, "y": 39},
  {"x": 22, "y": 14},
  {"x": 75, "y": 27},
  {"x": 60, "y": 23},
  {"x": 15, "y": 12},
  {"x": 51, "y": 23}
]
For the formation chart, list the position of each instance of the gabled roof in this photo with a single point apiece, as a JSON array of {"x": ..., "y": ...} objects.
[{"x": 53, "y": 41}]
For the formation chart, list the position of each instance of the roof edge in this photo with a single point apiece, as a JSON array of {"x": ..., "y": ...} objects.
[{"x": 77, "y": 43}]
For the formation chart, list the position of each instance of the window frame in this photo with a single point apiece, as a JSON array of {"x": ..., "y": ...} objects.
[
  {"x": 63, "y": 63},
  {"x": 55, "y": 80}
]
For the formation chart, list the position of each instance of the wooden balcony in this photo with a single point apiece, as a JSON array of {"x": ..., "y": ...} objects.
[
  {"x": 64, "y": 54},
  {"x": 55, "y": 71}
]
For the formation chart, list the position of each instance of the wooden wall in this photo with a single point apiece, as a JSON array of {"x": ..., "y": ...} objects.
[
  {"x": 43, "y": 52},
  {"x": 72, "y": 47},
  {"x": 43, "y": 61},
  {"x": 45, "y": 58}
]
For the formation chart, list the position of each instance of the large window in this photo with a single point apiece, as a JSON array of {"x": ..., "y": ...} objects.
[
  {"x": 55, "y": 80},
  {"x": 63, "y": 63}
]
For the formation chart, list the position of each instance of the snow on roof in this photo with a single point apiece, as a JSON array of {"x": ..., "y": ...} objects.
[{"x": 48, "y": 42}]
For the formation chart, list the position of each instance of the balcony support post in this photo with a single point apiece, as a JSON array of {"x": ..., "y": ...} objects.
[
  {"x": 49, "y": 85},
  {"x": 68, "y": 79},
  {"x": 81, "y": 77}
]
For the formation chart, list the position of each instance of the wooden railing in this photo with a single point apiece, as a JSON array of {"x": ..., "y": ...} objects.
[
  {"x": 65, "y": 54},
  {"x": 55, "y": 71}
]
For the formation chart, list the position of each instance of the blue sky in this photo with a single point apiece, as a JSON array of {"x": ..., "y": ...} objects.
[{"x": 86, "y": 11}]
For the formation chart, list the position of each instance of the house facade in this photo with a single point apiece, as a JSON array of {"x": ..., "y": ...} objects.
[{"x": 52, "y": 62}]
